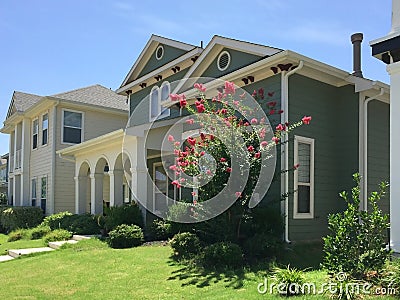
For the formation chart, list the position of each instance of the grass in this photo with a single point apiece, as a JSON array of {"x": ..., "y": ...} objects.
[
  {"x": 21, "y": 244},
  {"x": 92, "y": 270}
]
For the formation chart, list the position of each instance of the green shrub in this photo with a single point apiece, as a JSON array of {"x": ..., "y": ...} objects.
[
  {"x": 57, "y": 235},
  {"x": 391, "y": 275},
  {"x": 3, "y": 199},
  {"x": 125, "y": 236},
  {"x": 160, "y": 230},
  {"x": 39, "y": 232},
  {"x": 21, "y": 217},
  {"x": 185, "y": 245},
  {"x": 55, "y": 221},
  {"x": 223, "y": 255},
  {"x": 356, "y": 244},
  {"x": 118, "y": 215},
  {"x": 18, "y": 234},
  {"x": 77, "y": 224},
  {"x": 263, "y": 246},
  {"x": 289, "y": 280}
]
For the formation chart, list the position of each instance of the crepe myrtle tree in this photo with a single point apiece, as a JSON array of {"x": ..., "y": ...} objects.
[{"x": 225, "y": 124}]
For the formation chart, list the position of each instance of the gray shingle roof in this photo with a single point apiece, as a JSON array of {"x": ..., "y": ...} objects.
[
  {"x": 95, "y": 95},
  {"x": 23, "y": 101}
]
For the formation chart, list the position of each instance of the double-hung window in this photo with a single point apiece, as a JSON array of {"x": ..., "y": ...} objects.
[
  {"x": 72, "y": 132},
  {"x": 157, "y": 96},
  {"x": 35, "y": 132},
  {"x": 304, "y": 178},
  {"x": 45, "y": 129},
  {"x": 33, "y": 192},
  {"x": 43, "y": 193}
]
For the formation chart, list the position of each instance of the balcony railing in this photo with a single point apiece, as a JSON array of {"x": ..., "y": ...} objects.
[{"x": 18, "y": 159}]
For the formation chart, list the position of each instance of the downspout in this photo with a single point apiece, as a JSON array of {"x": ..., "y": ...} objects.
[
  {"x": 53, "y": 158},
  {"x": 365, "y": 159},
  {"x": 285, "y": 148}
]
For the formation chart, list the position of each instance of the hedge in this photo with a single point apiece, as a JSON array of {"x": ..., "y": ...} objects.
[{"x": 21, "y": 217}]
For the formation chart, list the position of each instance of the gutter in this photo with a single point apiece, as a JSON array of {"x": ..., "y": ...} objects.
[
  {"x": 285, "y": 147},
  {"x": 365, "y": 158}
]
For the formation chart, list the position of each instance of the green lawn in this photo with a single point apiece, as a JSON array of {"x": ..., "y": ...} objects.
[
  {"x": 21, "y": 244},
  {"x": 91, "y": 270}
]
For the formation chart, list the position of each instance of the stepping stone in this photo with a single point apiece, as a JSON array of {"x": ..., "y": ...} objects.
[
  {"x": 19, "y": 252},
  {"x": 56, "y": 245},
  {"x": 78, "y": 237},
  {"x": 5, "y": 258}
]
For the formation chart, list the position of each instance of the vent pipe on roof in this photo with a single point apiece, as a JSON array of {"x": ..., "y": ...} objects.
[{"x": 356, "y": 40}]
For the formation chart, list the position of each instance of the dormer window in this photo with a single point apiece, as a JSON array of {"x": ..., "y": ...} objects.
[
  {"x": 223, "y": 61},
  {"x": 159, "y": 52},
  {"x": 157, "y": 96}
]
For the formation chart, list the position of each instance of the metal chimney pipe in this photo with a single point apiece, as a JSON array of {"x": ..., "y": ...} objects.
[{"x": 356, "y": 40}]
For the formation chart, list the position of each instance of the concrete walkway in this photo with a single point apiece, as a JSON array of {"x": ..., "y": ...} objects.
[{"x": 52, "y": 246}]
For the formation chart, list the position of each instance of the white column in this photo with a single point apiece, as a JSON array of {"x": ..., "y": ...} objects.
[
  {"x": 395, "y": 16},
  {"x": 394, "y": 71},
  {"x": 96, "y": 200},
  {"x": 80, "y": 194},
  {"x": 25, "y": 157},
  {"x": 116, "y": 187}
]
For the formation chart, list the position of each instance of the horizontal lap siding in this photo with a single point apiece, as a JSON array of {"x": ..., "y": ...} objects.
[
  {"x": 95, "y": 125},
  {"x": 334, "y": 127},
  {"x": 378, "y": 148}
]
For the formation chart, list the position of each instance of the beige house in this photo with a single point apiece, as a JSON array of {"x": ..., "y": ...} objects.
[
  {"x": 4, "y": 174},
  {"x": 40, "y": 126}
]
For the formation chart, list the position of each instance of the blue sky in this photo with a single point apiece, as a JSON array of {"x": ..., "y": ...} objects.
[{"x": 48, "y": 46}]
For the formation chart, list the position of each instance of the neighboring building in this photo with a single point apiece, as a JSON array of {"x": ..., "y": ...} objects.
[
  {"x": 335, "y": 145},
  {"x": 39, "y": 126},
  {"x": 4, "y": 174}
]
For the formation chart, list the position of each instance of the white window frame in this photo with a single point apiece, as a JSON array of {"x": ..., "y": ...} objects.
[
  {"x": 163, "y": 51},
  {"x": 47, "y": 191},
  {"x": 311, "y": 142},
  {"x": 62, "y": 125},
  {"x": 34, "y": 198},
  {"x": 167, "y": 112},
  {"x": 37, "y": 133},
  {"x": 48, "y": 128}
]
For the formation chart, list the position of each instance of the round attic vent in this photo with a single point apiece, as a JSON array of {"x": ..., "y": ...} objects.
[
  {"x": 223, "y": 61},
  {"x": 159, "y": 52}
]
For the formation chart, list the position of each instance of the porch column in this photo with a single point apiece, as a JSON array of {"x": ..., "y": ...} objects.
[
  {"x": 96, "y": 195},
  {"x": 116, "y": 187},
  {"x": 80, "y": 194},
  {"x": 394, "y": 71},
  {"x": 139, "y": 176}
]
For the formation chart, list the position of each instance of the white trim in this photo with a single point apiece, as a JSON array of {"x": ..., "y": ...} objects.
[
  {"x": 62, "y": 125},
  {"x": 229, "y": 60},
  {"x": 311, "y": 142},
  {"x": 155, "y": 165},
  {"x": 31, "y": 190},
  {"x": 160, "y": 46},
  {"x": 167, "y": 112},
  {"x": 153, "y": 89}
]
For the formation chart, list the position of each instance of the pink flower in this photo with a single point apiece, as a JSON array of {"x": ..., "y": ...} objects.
[
  {"x": 296, "y": 166},
  {"x": 191, "y": 141},
  {"x": 182, "y": 101},
  {"x": 171, "y": 138},
  {"x": 223, "y": 111},
  {"x": 176, "y": 183},
  {"x": 242, "y": 96},
  {"x": 222, "y": 159},
  {"x": 200, "y": 87},
  {"x": 208, "y": 172},
  {"x": 173, "y": 168},
  {"x": 280, "y": 111},
  {"x": 229, "y": 87},
  {"x": 257, "y": 155},
  {"x": 174, "y": 97},
  {"x": 275, "y": 139},
  {"x": 228, "y": 169},
  {"x": 271, "y": 104},
  {"x": 272, "y": 111},
  {"x": 262, "y": 121},
  {"x": 261, "y": 93},
  {"x": 177, "y": 152},
  {"x": 254, "y": 94},
  {"x": 281, "y": 127},
  {"x": 250, "y": 148},
  {"x": 306, "y": 120},
  {"x": 202, "y": 153},
  {"x": 194, "y": 201},
  {"x": 236, "y": 103},
  {"x": 177, "y": 144},
  {"x": 254, "y": 121},
  {"x": 193, "y": 193},
  {"x": 182, "y": 179},
  {"x": 238, "y": 194},
  {"x": 189, "y": 121},
  {"x": 264, "y": 144},
  {"x": 200, "y": 108}
]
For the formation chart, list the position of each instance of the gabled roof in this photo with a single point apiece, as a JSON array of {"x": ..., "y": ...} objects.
[
  {"x": 148, "y": 50},
  {"x": 95, "y": 95},
  {"x": 20, "y": 102},
  {"x": 217, "y": 43}
]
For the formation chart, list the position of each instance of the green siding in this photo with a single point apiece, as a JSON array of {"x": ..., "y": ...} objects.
[
  {"x": 170, "y": 53},
  {"x": 238, "y": 60},
  {"x": 378, "y": 148},
  {"x": 334, "y": 127},
  {"x": 140, "y": 101}
]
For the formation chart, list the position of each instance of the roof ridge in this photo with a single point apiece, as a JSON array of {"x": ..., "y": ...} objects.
[
  {"x": 233, "y": 39},
  {"x": 77, "y": 89},
  {"x": 174, "y": 40}
]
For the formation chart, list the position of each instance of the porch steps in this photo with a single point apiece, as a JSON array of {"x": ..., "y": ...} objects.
[
  {"x": 18, "y": 252},
  {"x": 56, "y": 245}
]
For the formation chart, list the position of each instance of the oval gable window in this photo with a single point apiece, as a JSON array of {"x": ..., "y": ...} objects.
[
  {"x": 159, "y": 52},
  {"x": 223, "y": 61}
]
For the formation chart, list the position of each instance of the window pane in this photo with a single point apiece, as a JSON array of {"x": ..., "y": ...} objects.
[
  {"x": 165, "y": 91},
  {"x": 303, "y": 199},
  {"x": 72, "y": 135},
  {"x": 44, "y": 138},
  {"x": 304, "y": 153},
  {"x": 45, "y": 122},
  {"x": 43, "y": 188},
  {"x": 33, "y": 188},
  {"x": 34, "y": 142},
  {"x": 154, "y": 104},
  {"x": 72, "y": 119},
  {"x": 35, "y": 128}
]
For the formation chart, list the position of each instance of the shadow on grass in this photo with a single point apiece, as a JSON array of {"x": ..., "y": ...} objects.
[{"x": 303, "y": 255}]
